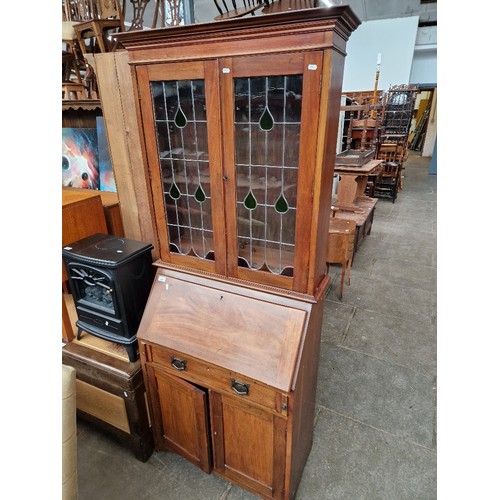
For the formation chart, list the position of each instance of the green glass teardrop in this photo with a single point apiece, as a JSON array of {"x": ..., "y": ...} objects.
[
  {"x": 180, "y": 118},
  {"x": 200, "y": 195},
  {"x": 250, "y": 202},
  {"x": 266, "y": 121},
  {"x": 281, "y": 204},
  {"x": 174, "y": 192}
]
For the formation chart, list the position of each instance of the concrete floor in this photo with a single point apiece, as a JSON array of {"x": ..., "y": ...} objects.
[{"x": 375, "y": 430}]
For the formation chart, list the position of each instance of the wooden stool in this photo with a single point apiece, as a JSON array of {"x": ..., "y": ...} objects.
[
  {"x": 340, "y": 249},
  {"x": 73, "y": 91}
]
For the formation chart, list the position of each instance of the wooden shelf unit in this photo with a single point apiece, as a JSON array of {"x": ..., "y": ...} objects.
[{"x": 236, "y": 120}]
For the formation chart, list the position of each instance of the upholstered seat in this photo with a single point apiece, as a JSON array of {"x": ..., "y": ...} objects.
[{"x": 69, "y": 452}]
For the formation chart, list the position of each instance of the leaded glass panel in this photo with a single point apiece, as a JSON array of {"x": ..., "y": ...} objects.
[
  {"x": 181, "y": 131},
  {"x": 267, "y": 136}
]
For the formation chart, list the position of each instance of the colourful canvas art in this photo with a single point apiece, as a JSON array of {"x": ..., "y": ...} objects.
[
  {"x": 107, "y": 179},
  {"x": 80, "y": 167}
]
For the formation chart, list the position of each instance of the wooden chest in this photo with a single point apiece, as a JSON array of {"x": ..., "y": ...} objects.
[
  {"x": 110, "y": 393},
  {"x": 231, "y": 375}
]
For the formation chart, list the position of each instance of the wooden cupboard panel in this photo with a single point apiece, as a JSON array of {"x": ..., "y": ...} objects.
[
  {"x": 102, "y": 405},
  {"x": 290, "y": 63},
  {"x": 184, "y": 419},
  {"x": 82, "y": 216},
  {"x": 249, "y": 445},
  {"x": 246, "y": 452}
]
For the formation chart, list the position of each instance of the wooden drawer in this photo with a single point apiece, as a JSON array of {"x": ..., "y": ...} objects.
[{"x": 214, "y": 377}]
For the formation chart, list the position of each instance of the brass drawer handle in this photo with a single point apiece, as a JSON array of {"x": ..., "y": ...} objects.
[
  {"x": 240, "y": 388},
  {"x": 178, "y": 364}
]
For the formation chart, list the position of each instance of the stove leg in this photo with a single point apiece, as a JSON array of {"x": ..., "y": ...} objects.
[
  {"x": 79, "y": 334},
  {"x": 131, "y": 351}
]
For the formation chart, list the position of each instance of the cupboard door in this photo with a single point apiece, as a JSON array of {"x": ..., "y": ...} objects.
[
  {"x": 184, "y": 419},
  {"x": 249, "y": 445},
  {"x": 270, "y": 123},
  {"x": 180, "y": 112}
]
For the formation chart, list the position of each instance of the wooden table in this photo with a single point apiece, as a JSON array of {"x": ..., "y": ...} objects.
[
  {"x": 340, "y": 249},
  {"x": 363, "y": 219},
  {"x": 352, "y": 184}
]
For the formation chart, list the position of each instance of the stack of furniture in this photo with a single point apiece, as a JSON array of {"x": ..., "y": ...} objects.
[{"x": 237, "y": 118}]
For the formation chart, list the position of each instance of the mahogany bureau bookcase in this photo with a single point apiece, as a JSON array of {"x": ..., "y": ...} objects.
[{"x": 238, "y": 121}]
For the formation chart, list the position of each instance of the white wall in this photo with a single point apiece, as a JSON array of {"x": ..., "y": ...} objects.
[
  {"x": 424, "y": 67},
  {"x": 394, "y": 39}
]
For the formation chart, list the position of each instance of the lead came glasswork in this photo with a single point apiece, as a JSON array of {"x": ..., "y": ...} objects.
[
  {"x": 180, "y": 118},
  {"x": 181, "y": 130},
  {"x": 267, "y": 137}
]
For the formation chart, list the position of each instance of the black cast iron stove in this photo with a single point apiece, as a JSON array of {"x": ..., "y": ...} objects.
[{"x": 110, "y": 279}]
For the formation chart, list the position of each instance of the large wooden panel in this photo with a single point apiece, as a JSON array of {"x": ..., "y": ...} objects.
[
  {"x": 111, "y": 394},
  {"x": 249, "y": 445},
  {"x": 184, "y": 418},
  {"x": 117, "y": 100},
  {"x": 111, "y": 205},
  {"x": 102, "y": 405},
  {"x": 82, "y": 216}
]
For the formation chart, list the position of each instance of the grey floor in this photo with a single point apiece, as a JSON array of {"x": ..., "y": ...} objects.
[{"x": 375, "y": 429}]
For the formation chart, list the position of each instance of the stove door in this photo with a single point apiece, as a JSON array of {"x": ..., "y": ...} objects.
[{"x": 93, "y": 288}]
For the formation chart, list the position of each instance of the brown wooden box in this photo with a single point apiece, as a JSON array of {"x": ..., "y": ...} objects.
[{"x": 110, "y": 393}]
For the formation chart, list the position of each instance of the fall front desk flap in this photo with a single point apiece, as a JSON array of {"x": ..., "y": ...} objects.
[{"x": 254, "y": 333}]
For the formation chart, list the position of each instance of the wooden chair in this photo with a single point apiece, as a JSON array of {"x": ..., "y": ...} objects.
[
  {"x": 395, "y": 151},
  {"x": 247, "y": 7},
  {"x": 174, "y": 17},
  {"x": 387, "y": 183},
  {"x": 97, "y": 19},
  {"x": 70, "y": 54}
]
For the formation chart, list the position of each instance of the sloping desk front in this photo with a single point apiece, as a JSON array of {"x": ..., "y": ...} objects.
[{"x": 352, "y": 183}]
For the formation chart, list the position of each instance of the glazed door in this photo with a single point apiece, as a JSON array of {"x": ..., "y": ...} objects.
[
  {"x": 183, "y": 413},
  {"x": 249, "y": 445},
  {"x": 270, "y": 119},
  {"x": 180, "y": 109}
]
